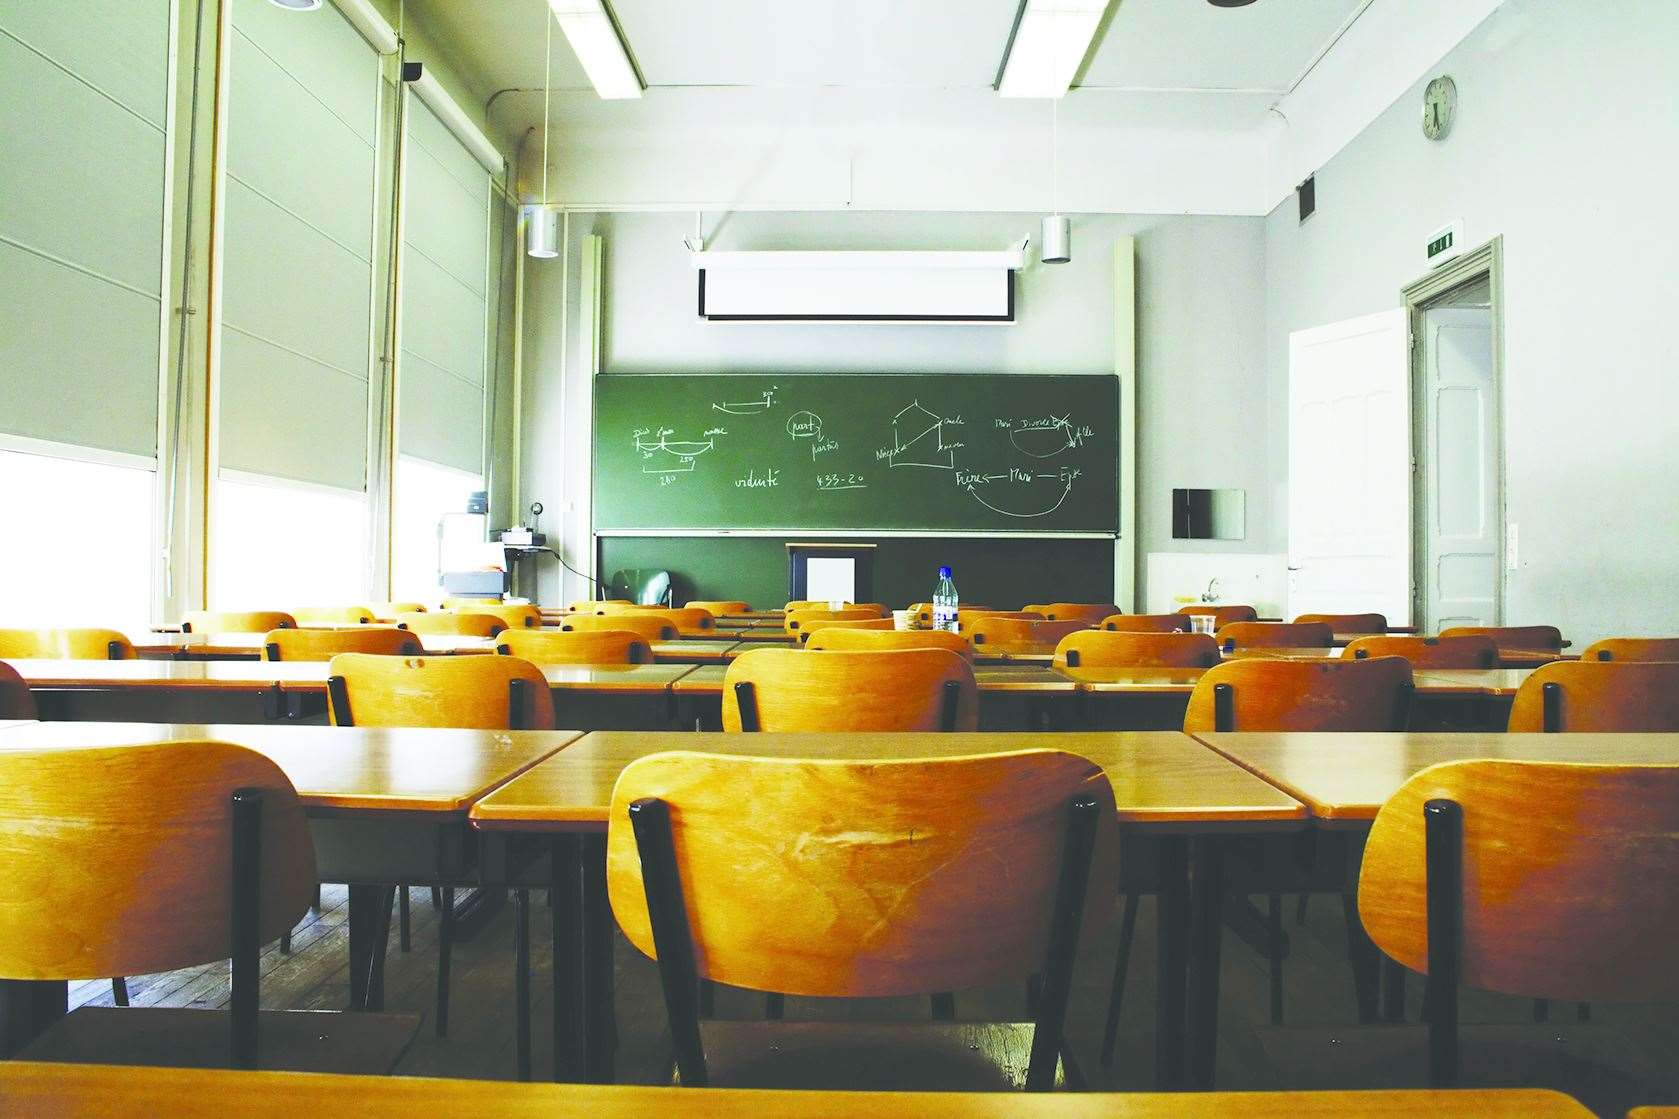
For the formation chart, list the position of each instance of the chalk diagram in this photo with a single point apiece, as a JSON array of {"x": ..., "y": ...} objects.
[
  {"x": 804, "y": 425},
  {"x": 1065, "y": 476},
  {"x": 749, "y": 407},
  {"x": 1048, "y": 437},
  {"x": 662, "y": 455},
  {"x": 918, "y": 439}
]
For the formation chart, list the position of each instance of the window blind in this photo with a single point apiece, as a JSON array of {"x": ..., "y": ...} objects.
[{"x": 83, "y": 100}]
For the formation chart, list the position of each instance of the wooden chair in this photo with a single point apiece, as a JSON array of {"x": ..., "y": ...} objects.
[
  {"x": 994, "y": 629},
  {"x": 903, "y": 690},
  {"x": 1275, "y": 635},
  {"x": 966, "y": 616},
  {"x": 689, "y": 618},
  {"x": 1147, "y": 623},
  {"x": 1598, "y": 696},
  {"x": 1633, "y": 649},
  {"x": 862, "y": 878},
  {"x": 1536, "y": 879},
  {"x": 1466, "y": 651},
  {"x": 235, "y": 621},
  {"x": 485, "y": 693},
  {"x": 1223, "y": 615},
  {"x": 816, "y": 625},
  {"x": 648, "y": 627},
  {"x": 65, "y": 644},
  {"x": 324, "y": 644},
  {"x": 863, "y": 637},
  {"x": 1099, "y": 648},
  {"x": 333, "y": 615},
  {"x": 1090, "y": 612},
  {"x": 805, "y": 604},
  {"x": 597, "y": 605},
  {"x": 796, "y": 619},
  {"x": 16, "y": 700},
  {"x": 1349, "y": 623},
  {"x": 184, "y": 853},
  {"x": 1547, "y": 638},
  {"x": 388, "y": 611},
  {"x": 520, "y": 616},
  {"x": 717, "y": 608},
  {"x": 449, "y": 623},
  {"x": 546, "y": 646}
]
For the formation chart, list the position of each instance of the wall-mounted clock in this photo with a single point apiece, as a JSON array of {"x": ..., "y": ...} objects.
[{"x": 1439, "y": 107}]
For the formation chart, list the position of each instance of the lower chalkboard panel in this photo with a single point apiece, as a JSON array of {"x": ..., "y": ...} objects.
[{"x": 992, "y": 571}]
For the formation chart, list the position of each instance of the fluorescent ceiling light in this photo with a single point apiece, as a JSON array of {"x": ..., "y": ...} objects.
[
  {"x": 593, "y": 35},
  {"x": 1050, "y": 40}
]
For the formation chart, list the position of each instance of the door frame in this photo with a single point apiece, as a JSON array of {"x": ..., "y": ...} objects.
[{"x": 1485, "y": 260}]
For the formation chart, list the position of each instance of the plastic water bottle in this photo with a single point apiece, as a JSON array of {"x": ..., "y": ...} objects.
[{"x": 945, "y": 602}]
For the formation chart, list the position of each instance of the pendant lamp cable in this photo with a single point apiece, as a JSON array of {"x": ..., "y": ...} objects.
[
  {"x": 1054, "y": 151},
  {"x": 547, "y": 84}
]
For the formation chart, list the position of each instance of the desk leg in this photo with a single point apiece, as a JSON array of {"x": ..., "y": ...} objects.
[
  {"x": 370, "y": 928},
  {"x": 1206, "y": 931},
  {"x": 1171, "y": 962},
  {"x": 1361, "y": 950},
  {"x": 600, "y": 1028},
  {"x": 27, "y": 1008},
  {"x": 565, "y": 915}
]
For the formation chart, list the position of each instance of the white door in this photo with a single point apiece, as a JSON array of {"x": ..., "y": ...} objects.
[
  {"x": 1457, "y": 504},
  {"x": 1349, "y": 468}
]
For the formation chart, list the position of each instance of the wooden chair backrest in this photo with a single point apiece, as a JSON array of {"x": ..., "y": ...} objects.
[
  {"x": 16, "y": 700},
  {"x": 899, "y": 689},
  {"x": 865, "y": 637},
  {"x": 721, "y": 606},
  {"x": 1147, "y": 623},
  {"x": 797, "y": 619},
  {"x": 1223, "y": 615},
  {"x": 1633, "y": 649},
  {"x": 333, "y": 615},
  {"x": 469, "y": 691},
  {"x": 1100, "y": 648},
  {"x": 236, "y": 621},
  {"x": 966, "y": 616},
  {"x": 147, "y": 830},
  {"x": 1274, "y": 635},
  {"x": 687, "y": 617},
  {"x": 520, "y": 616},
  {"x": 994, "y": 629},
  {"x": 1092, "y": 612},
  {"x": 597, "y": 605},
  {"x": 1349, "y": 623},
  {"x": 1465, "y": 651},
  {"x": 816, "y": 625},
  {"x": 450, "y": 623},
  {"x": 388, "y": 611},
  {"x": 65, "y": 644},
  {"x": 648, "y": 627},
  {"x": 806, "y": 604},
  {"x": 547, "y": 646},
  {"x": 862, "y": 878},
  {"x": 1514, "y": 637},
  {"x": 1568, "y": 874},
  {"x": 1599, "y": 696},
  {"x": 1329, "y": 694},
  {"x": 324, "y": 644}
]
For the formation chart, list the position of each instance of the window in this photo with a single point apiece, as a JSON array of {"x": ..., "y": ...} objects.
[
  {"x": 424, "y": 493},
  {"x": 279, "y": 545},
  {"x": 79, "y": 548}
]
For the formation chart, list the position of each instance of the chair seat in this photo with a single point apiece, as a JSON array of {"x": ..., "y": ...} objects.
[
  {"x": 869, "y": 1056},
  {"x": 171, "y": 1037}
]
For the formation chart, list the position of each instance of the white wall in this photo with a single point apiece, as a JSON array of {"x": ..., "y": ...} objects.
[
  {"x": 1567, "y": 144},
  {"x": 1200, "y": 326}
]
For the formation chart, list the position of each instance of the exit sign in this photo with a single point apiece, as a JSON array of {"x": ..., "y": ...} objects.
[{"x": 1445, "y": 243}]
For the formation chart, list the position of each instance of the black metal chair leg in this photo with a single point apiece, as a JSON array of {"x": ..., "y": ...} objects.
[
  {"x": 1122, "y": 964},
  {"x": 1300, "y": 909},
  {"x": 1274, "y": 936},
  {"x": 944, "y": 1007},
  {"x": 436, "y": 898},
  {"x": 708, "y": 999},
  {"x": 119, "y": 992},
  {"x": 404, "y": 940},
  {"x": 775, "y": 1007},
  {"x": 285, "y": 944},
  {"x": 1541, "y": 1010},
  {"x": 521, "y": 984},
  {"x": 445, "y": 938}
]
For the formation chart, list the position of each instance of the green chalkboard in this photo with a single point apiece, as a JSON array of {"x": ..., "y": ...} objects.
[{"x": 957, "y": 452}]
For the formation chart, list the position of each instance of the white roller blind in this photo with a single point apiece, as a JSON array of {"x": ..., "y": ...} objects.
[
  {"x": 297, "y": 296},
  {"x": 441, "y": 378},
  {"x": 83, "y": 97}
]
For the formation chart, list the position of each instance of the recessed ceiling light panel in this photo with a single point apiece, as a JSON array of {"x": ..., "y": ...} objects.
[
  {"x": 1051, "y": 38},
  {"x": 594, "y": 38}
]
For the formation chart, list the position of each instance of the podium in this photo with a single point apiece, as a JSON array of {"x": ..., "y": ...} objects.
[{"x": 830, "y": 572}]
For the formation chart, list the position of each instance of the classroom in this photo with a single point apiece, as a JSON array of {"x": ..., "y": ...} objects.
[{"x": 1033, "y": 558}]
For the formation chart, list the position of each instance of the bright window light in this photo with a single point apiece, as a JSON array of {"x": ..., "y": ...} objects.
[
  {"x": 424, "y": 493},
  {"x": 78, "y": 543},
  {"x": 595, "y": 41},
  {"x": 1049, "y": 44},
  {"x": 277, "y": 545}
]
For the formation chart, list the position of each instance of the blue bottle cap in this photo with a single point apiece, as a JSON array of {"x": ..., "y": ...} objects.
[{"x": 944, "y": 573}]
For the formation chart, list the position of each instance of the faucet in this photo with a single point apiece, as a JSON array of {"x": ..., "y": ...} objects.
[{"x": 1211, "y": 593}]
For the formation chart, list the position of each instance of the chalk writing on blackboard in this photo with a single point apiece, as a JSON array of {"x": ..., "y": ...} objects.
[{"x": 749, "y": 407}]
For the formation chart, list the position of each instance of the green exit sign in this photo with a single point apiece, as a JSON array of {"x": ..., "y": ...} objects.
[
  {"x": 1445, "y": 242},
  {"x": 1440, "y": 244}
]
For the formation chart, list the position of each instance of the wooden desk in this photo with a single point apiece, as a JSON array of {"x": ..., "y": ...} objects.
[
  {"x": 385, "y": 806},
  {"x": 693, "y": 651},
  {"x": 110, "y": 1090},
  {"x": 1495, "y": 682},
  {"x": 707, "y": 680},
  {"x": 1169, "y": 791}
]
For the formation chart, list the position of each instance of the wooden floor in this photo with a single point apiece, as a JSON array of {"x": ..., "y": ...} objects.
[{"x": 1623, "y": 1057}]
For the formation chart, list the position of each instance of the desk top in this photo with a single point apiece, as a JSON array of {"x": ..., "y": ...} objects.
[
  {"x": 693, "y": 651},
  {"x": 1160, "y": 778},
  {"x": 637, "y": 678},
  {"x": 707, "y": 680},
  {"x": 28, "y": 1088},
  {"x": 412, "y": 769},
  {"x": 1347, "y": 777},
  {"x": 1134, "y": 681},
  {"x": 1500, "y": 682}
]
